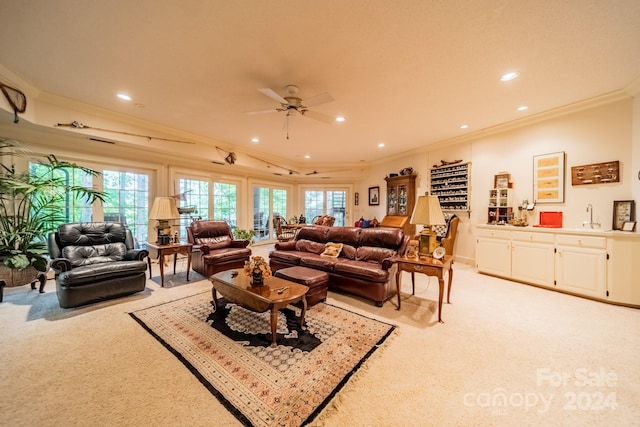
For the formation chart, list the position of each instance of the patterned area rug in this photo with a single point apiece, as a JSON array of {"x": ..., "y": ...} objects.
[{"x": 229, "y": 352}]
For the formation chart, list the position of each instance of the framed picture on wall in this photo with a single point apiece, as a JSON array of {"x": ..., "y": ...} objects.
[
  {"x": 501, "y": 180},
  {"x": 374, "y": 196},
  {"x": 548, "y": 178},
  {"x": 356, "y": 199},
  {"x": 624, "y": 211}
]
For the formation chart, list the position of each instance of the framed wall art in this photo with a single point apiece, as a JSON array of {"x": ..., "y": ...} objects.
[
  {"x": 624, "y": 211},
  {"x": 548, "y": 178},
  {"x": 374, "y": 196},
  {"x": 501, "y": 180},
  {"x": 356, "y": 199}
]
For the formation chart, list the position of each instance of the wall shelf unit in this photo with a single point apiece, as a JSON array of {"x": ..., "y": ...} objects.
[{"x": 451, "y": 184}]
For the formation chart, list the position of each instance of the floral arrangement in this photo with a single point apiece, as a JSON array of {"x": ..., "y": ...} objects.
[{"x": 257, "y": 266}]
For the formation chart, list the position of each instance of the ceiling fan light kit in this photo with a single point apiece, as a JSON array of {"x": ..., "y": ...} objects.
[{"x": 291, "y": 103}]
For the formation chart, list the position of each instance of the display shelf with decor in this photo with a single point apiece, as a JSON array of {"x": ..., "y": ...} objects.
[
  {"x": 451, "y": 183},
  {"x": 401, "y": 198},
  {"x": 500, "y": 209}
]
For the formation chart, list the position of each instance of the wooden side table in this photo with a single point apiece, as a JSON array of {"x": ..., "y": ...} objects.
[
  {"x": 159, "y": 251},
  {"x": 429, "y": 267}
]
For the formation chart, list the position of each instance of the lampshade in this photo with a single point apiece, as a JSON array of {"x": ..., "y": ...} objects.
[
  {"x": 164, "y": 208},
  {"x": 427, "y": 211}
]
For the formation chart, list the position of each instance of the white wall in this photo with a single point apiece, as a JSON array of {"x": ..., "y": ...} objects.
[{"x": 594, "y": 135}]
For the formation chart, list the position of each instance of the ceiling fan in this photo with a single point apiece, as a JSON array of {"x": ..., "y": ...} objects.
[{"x": 292, "y": 103}]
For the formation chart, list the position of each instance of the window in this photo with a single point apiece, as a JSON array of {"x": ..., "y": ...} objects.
[
  {"x": 194, "y": 195},
  {"x": 225, "y": 202},
  {"x": 313, "y": 204},
  {"x": 267, "y": 202},
  {"x": 67, "y": 209},
  {"x": 261, "y": 212},
  {"x": 326, "y": 202},
  {"x": 127, "y": 201}
]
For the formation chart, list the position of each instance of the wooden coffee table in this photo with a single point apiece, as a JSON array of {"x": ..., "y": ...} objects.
[{"x": 275, "y": 293}]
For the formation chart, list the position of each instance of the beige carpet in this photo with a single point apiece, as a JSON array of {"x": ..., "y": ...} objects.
[{"x": 508, "y": 354}]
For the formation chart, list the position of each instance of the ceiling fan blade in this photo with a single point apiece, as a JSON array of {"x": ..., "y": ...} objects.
[
  {"x": 318, "y": 116},
  {"x": 273, "y": 110},
  {"x": 323, "y": 98},
  {"x": 271, "y": 94}
]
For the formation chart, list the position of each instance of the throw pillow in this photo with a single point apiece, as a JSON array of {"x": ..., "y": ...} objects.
[{"x": 332, "y": 250}]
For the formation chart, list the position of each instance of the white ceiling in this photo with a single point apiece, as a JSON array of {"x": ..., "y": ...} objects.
[{"x": 407, "y": 73}]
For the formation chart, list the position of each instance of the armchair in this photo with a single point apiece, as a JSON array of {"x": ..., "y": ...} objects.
[
  {"x": 214, "y": 248},
  {"x": 448, "y": 240},
  {"x": 283, "y": 233},
  {"x": 95, "y": 261}
]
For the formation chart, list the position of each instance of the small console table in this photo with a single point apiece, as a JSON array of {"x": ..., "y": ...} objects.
[
  {"x": 429, "y": 267},
  {"x": 159, "y": 251}
]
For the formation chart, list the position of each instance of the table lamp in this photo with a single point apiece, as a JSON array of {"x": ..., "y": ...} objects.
[
  {"x": 163, "y": 210},
  {"x": 427, "y": 212}
]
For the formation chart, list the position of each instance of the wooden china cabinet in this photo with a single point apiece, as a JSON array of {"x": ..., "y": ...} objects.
[{"x": 401, "y": 198}]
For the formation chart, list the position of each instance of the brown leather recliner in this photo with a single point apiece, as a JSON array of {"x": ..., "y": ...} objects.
[
  {"x": 95, "y": 261},
  {"x": 214, "y": 248}
]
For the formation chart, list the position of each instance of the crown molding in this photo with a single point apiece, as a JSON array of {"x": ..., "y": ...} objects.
[
  {"x": 633, "y": 89},
  {"x": 607, "y": 98}
]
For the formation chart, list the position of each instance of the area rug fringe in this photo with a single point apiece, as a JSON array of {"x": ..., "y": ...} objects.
[{"x": 351, "y": 387}]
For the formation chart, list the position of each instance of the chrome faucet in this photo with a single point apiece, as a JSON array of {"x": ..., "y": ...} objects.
[{"x": 590, "y": 223}]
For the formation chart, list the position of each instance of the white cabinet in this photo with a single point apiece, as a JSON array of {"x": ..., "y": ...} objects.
[
  {"x": 532, "y": 257},
  {"x": 493, "y": 252},
  {"x": 581, "y": 265},
  {"x": 603, "y": 265}
]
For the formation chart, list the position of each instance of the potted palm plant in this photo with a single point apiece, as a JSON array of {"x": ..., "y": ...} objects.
[{"x": 30, "y": 207}]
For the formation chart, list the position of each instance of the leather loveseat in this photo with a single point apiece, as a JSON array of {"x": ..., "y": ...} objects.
[
  {"x": 214, "y": 248},
  {"x": 363, "y": 266},
  {"x": 95, "y": 261}
]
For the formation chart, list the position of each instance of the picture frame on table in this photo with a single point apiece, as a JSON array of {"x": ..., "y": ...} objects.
[
  {"x": 624, "y": 211},
  {"x": 374, "y": 196},
  {"x": 629, "y": 226}
]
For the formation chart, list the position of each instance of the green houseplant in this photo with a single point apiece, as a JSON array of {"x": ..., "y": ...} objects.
[
  {"x": 30, "y": 206},
  {"x": 241, "y": 234}
]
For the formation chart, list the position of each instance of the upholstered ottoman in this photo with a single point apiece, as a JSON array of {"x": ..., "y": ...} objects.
[{"x": 317, "y": 281}]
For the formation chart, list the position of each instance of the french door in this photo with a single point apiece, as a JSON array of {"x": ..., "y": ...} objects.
[
  {"x": 267, "y": 203},
  {"x": 326, "y": 202}
]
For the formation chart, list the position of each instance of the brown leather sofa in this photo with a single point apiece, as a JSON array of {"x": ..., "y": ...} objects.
[
  {"x": 363, "y": 266},
  {"x": 214, "y": 248}
]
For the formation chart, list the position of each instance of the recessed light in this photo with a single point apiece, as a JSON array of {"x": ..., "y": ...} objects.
[
  {"x": 340, "y": 119},
  {"x": 509, "y": 76},
  {"x": 306, "y": 156},
  {"x": 124, "y": 97},
  {"x": 522, "y": 108},
  {"x": 380, "y": 145},
  {"x": 255, "y": 140},
  {"x": 464, "y": 126}
]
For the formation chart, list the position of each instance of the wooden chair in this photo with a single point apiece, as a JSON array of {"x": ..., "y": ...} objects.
[{"x": 283, "y": 233}]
